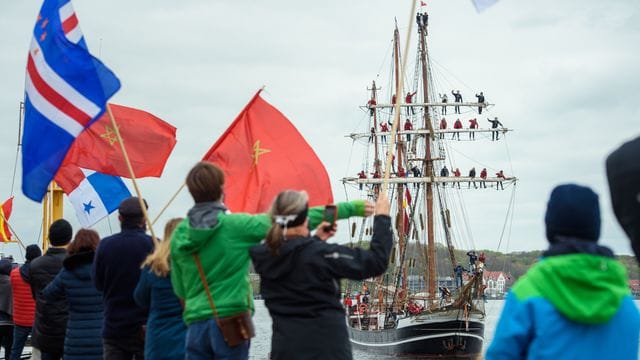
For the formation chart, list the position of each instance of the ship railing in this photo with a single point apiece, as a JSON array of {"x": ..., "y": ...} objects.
[{"x": 356, "y": 136}]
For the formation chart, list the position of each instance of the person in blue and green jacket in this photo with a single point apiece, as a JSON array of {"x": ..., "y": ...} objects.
[
  {"x": 222, "y": 241},
  {"x": 575, "y": 302}
]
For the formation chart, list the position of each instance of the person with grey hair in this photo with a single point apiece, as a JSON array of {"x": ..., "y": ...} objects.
[{"x": 299, "y": 273}]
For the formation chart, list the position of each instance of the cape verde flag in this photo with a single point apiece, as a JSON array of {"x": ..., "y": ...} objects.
[
  {"x": 93, "y": 195},
  {"x": 66, "y": 90}
]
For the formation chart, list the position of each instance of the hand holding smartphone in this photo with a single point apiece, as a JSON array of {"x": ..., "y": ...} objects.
[{"x": 330, "y": 216}]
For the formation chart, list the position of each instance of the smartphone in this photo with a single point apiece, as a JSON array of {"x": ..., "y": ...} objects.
[{"x": 330, "y": 216}]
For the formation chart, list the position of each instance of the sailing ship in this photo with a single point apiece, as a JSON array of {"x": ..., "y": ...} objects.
[{"x": 407, "y": 311}]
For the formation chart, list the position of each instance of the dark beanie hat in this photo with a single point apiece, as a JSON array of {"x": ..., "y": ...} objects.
[
  {"x": 33, "y": 251},
  {"x": 60, "y": 232},
  {"x": 130, "y": 207},
  {"x": 573, "y": 211}
]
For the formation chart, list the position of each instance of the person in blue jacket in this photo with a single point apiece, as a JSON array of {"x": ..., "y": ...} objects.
[
  {"x": 575, "y": 303},
  {"x": 83, "y": 339},
  {"x": 166, "y": 332}
]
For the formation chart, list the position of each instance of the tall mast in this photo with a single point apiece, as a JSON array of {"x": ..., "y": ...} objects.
[
  {"x": 431, "y": 275},
  {"x": 376, "y": 162},
  {"x": 400, "y": 147}
]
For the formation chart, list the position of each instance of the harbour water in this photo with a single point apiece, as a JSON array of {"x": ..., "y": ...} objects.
[{"x": 261, "y": 344}]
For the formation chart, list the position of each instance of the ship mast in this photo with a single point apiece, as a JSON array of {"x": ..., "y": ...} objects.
[
  {"x": 400, "y": 148},
  {"x": 431, "y": 276}
]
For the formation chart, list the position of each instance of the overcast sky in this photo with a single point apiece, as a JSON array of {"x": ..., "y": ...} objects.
[{"x": 563, "y": 74}]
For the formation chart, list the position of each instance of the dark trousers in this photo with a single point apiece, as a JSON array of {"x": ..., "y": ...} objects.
[
  {"x": 124, "y": 349},
  {"x": 20, "y": 335},
  {"x": 6, "y": 339},
  {"x": 50, "y": 356},
  {"x": 495, "y": 135}
]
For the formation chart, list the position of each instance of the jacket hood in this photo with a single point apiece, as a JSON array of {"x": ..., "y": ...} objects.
[
  {"x": 274, "y": 267},
  {"x": 72, "y": 262},
  {"x": 585, "y": 288},
  {"x": 198, "y": 228},
  {"x": 188, "y": 240}
]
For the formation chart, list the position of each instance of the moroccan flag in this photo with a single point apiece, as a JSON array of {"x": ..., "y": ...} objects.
[
  {"x": 147, "y": 139},
  {"x": 262, "y": 154},
  {"x": 5, "y": 211}
]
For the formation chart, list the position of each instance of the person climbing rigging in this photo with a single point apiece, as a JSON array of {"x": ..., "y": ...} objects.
[
  {"x": 473, "y": 124},
  {"x": 457, "y": 173},
  {"x": 494, "y": 125},
  {"x": 407, "y": 127},
  {"x": 472, "y": 175},
  {"x": 483, "y": 176},
  {"x": 444, "y": 173},
  {"x": 457, "y": 126},
  {"x": 384, "y": 128},
  {"x": 480, "y": 102},
  {"x": 371, "y": 105},
  {"x": 500, "y": 175},
  {"x": 443, "y": 126},
  {"x": 444, "y": 100},
  {"x": 408, "y": 100},
  {"x": 458, "y": 99}
]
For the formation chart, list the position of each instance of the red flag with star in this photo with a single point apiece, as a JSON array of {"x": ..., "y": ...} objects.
[
  {"x": 148, "y": 141},
  {"x": 5, "y": 213},
  {"x": 262, "y": 154}
]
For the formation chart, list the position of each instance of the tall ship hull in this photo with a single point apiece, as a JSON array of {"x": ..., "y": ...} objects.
[{"x": 439, "y": 334}]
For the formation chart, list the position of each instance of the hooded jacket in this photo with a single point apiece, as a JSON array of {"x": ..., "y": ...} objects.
[
  {"x": 301, "y": 289},
  {"x": 222, "y": 241},
  {"x": 83, "y": 339},
  {"x": 573, "y": 304}
]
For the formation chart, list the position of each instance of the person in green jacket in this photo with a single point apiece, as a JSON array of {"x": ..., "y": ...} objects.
[{"x": 221, "y": 241}]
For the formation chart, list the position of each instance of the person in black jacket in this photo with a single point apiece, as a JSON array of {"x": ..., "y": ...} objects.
[
  {"x": 300, "y": 277},
  {"x": 83, "y": 340},
  {"x": 6, "y": 308},
  {"x": 115, "y": 272},
  {"x": 50, "y": 323},
  {"x": 623, "y": 175}
]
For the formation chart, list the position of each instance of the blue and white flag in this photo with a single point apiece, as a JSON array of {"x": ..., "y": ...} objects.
[
  {"x": 93, "y": 195},
  {"x": 482, "y": 5},
  {"x": 66, "y": 89}
]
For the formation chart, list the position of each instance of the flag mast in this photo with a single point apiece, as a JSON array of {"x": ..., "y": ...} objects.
[{"x": 52, "y": 210}]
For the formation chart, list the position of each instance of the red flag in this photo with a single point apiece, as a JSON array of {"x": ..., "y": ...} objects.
[
  {"x": 147, "y": 139},
  {"x": 262, "y": 154},
  {"x": 5, "y": 213}
]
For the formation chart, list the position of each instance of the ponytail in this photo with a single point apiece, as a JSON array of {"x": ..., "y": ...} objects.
[{"x": 289, "y": 209}]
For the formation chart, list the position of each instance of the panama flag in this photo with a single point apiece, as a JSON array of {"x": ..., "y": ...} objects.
[
  {"x": 66, "y": 89},
  {"x": 93, "y": 195}
]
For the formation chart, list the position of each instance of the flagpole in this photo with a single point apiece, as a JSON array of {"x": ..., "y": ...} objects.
[
  {"x": 169, "y": 203},
  {"x": 396, "y": 117},
  {"x": 133, "y": 176},
  {"x": 12, "y": 231}
]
